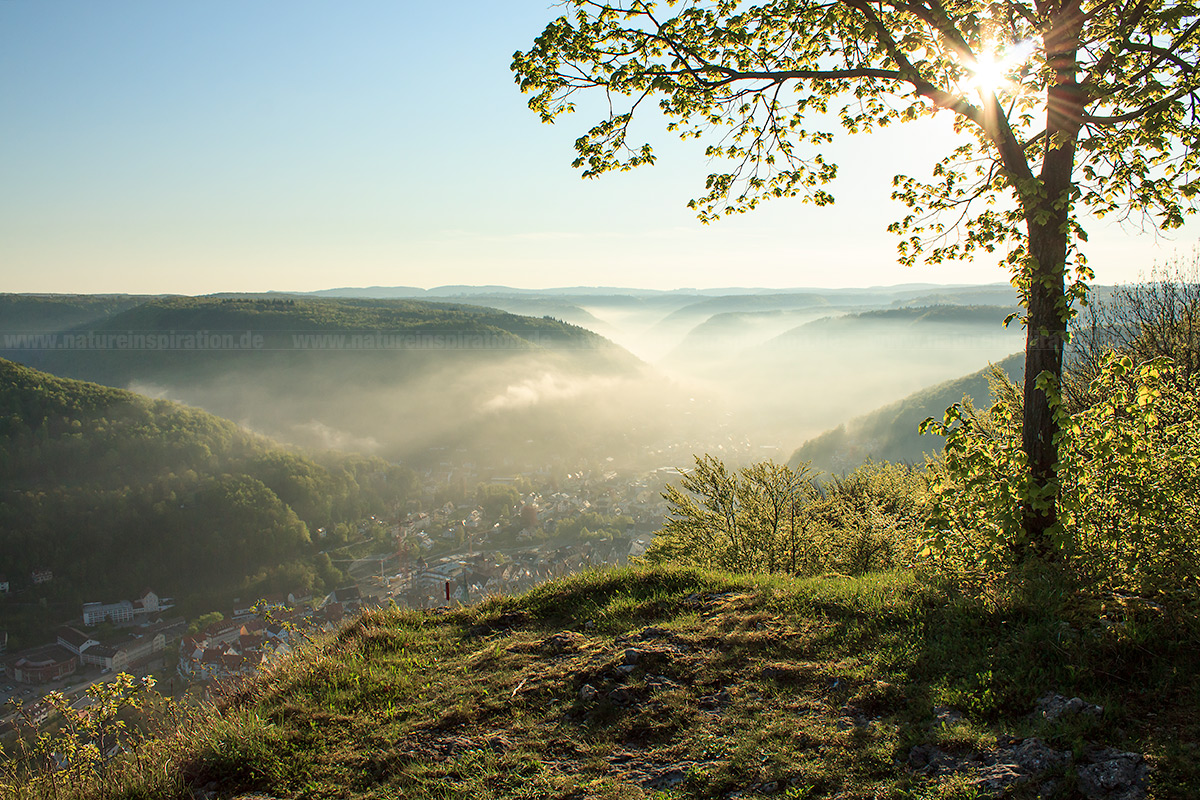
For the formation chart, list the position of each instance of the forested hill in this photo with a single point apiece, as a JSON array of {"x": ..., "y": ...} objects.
[
  {"x": 38, "y": 313},
  {"x": 184, "y": 334},
  {"x": 393, "y": 378},
  {"x": 916, "y": 318},
  {"x": 114, "y": 492},
  {"x": 890, "y": 433},
  {"x": 289, "y": 315}
]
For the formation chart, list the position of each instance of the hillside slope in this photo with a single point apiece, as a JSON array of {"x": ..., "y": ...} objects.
[
  {"x": 114, "y": 492},
  {"x": 817, "y": 375},
  {"x": 891, "y": 433},
  {"x": 634, "y": 683}
]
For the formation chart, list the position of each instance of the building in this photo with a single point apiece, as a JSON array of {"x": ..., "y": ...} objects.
[
  {"x": 146, "y": 605},
  {"x": 76, "y": 641},
  {"x": 126, "y": 652},
  {"x": 44, "y": 664},
  {"x": 124, "y": 612},
  {"x": 115, "y": 655},
  {"x": 118, "y": 613},
  {"x": 40, "y": 576}
]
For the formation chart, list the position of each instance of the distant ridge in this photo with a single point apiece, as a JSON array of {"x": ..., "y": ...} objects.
[{"x": 459, "y": 290}]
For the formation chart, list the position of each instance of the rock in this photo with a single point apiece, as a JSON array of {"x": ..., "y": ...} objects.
[
  {"x": 1053, "y": 707},
  {"x": 625, "y": 669},
  {"x": 946, "y": 715},
  {"x": 995, "y": 777},
  {"x": 631, "y": 655},
  {"x": 654, "y": 632},
  {"x": 852, "y": 717},
  {"x": 562, "y": 642},
  {"x": 666, "y": 780},
  {"x": 587, "y": 692},
  {"x": 930, "y": 759},
  {"x": 620, "y": 696},
  {"x": 995, "y": 770},
  {"x": 712, "y": 701},
  {"x": 1034, "y": 755},
  {"x": 1113, "y": 775}
]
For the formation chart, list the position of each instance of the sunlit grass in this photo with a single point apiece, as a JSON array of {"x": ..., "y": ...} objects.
[{"x": 796, "y": 688}]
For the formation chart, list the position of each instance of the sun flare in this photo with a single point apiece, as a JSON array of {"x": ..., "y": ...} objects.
[
  {"x": 990, "y": 73},
  {"x": 993, "y": 70}
]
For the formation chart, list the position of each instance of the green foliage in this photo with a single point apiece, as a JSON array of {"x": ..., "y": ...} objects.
[
  {"x": 976, "y": 521},
  {"x": 113, "y": 745},
  {"x": 496, "y": 499},
  {"x": 1130, "y": 487},
  {"x": 770, "y": 517},
  {"x": 1131, "y": 490},
  {"x": 869, "y": 520},
  {"x": 768, "y": 84},
  {"x": 592, "y": 526}
]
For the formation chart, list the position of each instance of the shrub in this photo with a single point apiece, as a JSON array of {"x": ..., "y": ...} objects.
[
  {"x": 770, "y": 517},
  {"x": 1129, "y": 467}
]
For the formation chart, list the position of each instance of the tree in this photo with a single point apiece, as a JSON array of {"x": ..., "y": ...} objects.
[
  {"x": 712, "y": 531},
  {"x": 770, "y": 517},
  {"x": 1063, "y": 107},
  {"x": 203, "y": 621},
  {"x": 496, "y": 499}
]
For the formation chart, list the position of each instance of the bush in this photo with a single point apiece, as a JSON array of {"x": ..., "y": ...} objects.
[
  {"x": 770, "y": 517},
  {"x": 1129, "y": 471}
]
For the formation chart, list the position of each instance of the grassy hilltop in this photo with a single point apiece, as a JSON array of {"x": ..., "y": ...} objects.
[{"x": 672, "y": 683}]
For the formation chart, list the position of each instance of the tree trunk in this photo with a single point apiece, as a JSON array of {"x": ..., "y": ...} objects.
[
  {"x": 1048, "y": 217},
  {"x": 1046, "y": 334}
]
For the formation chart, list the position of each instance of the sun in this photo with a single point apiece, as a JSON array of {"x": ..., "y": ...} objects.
[
  {"x": 993, "y": 70},
  {"x": 990, "y": 73}
]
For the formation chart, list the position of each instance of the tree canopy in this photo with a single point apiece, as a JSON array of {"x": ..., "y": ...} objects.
[{"x": 1063, "y": 108}]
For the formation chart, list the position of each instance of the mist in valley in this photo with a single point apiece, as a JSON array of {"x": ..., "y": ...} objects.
[
  {"x": 783, "y": 375},
  {"x": 743, "y": 375}
]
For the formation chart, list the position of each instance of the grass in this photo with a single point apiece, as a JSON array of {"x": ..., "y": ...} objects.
[{"x": 671, "y": 683}]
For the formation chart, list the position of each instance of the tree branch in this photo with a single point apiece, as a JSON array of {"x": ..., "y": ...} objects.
[{"x": 1141, "y": 112}]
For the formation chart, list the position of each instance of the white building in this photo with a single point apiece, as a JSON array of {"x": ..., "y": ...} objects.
[
  {"x": 123, "y": 612},
  {"x": 117, "y": 613}
]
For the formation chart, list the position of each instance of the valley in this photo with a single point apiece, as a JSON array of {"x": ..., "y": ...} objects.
[{"x": 354, "y": 439}]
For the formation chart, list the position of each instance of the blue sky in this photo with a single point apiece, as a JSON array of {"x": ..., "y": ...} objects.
[{"x": 248, "y": 145}]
